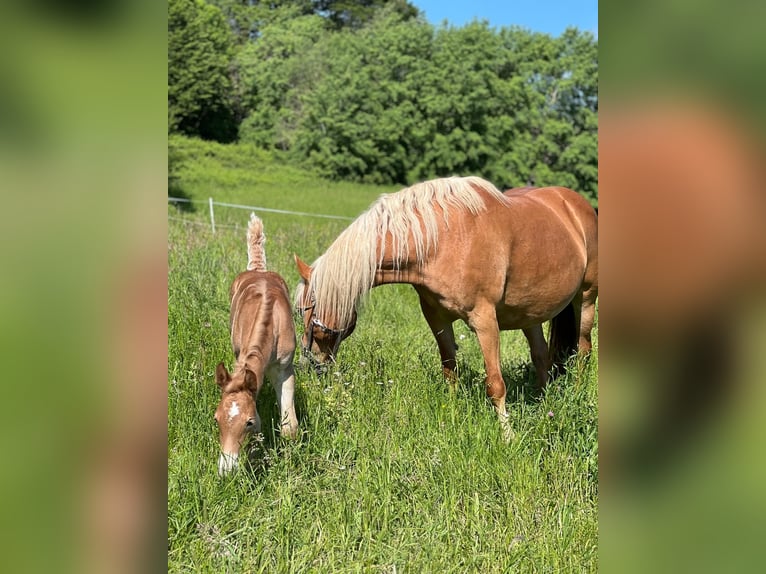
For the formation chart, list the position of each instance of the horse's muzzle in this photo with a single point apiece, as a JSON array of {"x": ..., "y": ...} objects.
[{"x": 309, "y": 360}]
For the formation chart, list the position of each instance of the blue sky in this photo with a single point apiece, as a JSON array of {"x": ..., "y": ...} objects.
[{"x": 549, "y": 16}]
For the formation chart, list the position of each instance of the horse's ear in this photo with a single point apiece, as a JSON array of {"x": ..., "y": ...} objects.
[
  {"x": 222, "y": 376},
  {"x": 304, "y": 270},
  {"x": 251, "y": 381}
]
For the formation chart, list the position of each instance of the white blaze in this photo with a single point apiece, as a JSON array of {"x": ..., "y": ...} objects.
[{"x": 233, "y": 410}]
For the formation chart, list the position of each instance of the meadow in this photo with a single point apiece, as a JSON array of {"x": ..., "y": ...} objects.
[{"x": 391, "y": 473}]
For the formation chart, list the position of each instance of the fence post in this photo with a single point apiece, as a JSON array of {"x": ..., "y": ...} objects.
[{"x": 212, "y": 217}]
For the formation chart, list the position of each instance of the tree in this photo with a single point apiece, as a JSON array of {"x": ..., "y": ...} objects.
[
  {"x": 356, "y": 13},
  {"x": 199, "y": 65},
  {"x": 275, "y": 73},
  {"x": 379, "y": 96}
]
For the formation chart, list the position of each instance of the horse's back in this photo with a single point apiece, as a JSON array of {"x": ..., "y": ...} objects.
[
  {"x": 545, "y": 208},
  {"x": 555, "y": 198},
  {"x": 543, "y": 245}
]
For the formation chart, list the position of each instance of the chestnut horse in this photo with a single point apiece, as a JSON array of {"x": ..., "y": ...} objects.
[
  {"x": 263, "y": 340},
  {"x": 497, "y": 261}
]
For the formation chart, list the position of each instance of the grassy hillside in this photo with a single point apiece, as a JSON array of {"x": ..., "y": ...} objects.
[
  {"x": 245, "y": 174},
  {"x": 392, "y": 473}
]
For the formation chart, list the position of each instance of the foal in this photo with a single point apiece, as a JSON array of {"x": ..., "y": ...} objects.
[{"x": 263, "y": 340}]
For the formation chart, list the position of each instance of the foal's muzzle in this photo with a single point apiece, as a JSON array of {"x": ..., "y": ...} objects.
[{"x": 227, "y": 462}]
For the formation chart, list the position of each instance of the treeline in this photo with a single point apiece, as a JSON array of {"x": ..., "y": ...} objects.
[{"x": 369, "y": 91}]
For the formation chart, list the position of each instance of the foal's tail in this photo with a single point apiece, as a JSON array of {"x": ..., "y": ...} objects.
[
  {"x": 256, "y": 256},
  {"x": 563, "y": 339}
]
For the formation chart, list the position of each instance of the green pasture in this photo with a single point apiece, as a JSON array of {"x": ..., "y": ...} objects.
[{"x": 392, "y": 473}]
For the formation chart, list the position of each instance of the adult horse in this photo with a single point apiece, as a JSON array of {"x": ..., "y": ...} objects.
[{"x": 497, "y": 261}]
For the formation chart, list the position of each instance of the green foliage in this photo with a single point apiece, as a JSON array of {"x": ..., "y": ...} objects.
[
  {"x": 369, "y": 92},
  {"x": 199, "y": 59},
  {"x": 391, "y": 472},
  {"x": 399, "y": 101},
  {"x": 359, "y": 119},
  {"x": 356, "y": 13},
  {"x": 275, "y": 72},
  {"x": 247, "y": 17}
]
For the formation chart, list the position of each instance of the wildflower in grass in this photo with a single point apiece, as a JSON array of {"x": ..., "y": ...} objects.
[{"x": 550, "y": 414}]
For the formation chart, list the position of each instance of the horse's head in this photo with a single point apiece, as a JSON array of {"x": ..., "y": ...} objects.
[
  {"x": 236, "y": 414},
  {"x": 321, "y": 337}
]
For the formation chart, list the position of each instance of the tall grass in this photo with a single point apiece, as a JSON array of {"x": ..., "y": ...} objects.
[{"x": 392, "y": 473}]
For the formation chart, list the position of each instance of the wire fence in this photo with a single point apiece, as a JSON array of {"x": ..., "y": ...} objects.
[{"x": 212, "y": 203}]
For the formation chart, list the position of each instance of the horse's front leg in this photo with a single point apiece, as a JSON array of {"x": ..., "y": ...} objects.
[
  {"x": 483, "y": 322},
  {"x": 283, "y": 381},
  {"x": 441, "y": 327}
]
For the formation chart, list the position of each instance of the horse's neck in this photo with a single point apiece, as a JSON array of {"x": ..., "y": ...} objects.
[{"x": 406, "y": 272}]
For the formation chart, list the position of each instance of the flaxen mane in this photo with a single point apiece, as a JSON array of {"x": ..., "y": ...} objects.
[{"x": 346, "y": 271}]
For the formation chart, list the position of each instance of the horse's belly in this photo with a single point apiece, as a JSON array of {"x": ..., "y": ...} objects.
[
  {"x": 527, "y": 307},
  {"x": 509, "y": 318}
]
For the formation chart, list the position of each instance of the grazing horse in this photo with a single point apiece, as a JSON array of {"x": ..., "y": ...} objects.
[
  {"x": 263, "y": 339},
  {"x": 497, "y": 261}
]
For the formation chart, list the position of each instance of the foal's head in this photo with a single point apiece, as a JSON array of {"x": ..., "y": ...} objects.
[
  {"x": 321, "y": 340},
  {"x": 236, "y": 415}
]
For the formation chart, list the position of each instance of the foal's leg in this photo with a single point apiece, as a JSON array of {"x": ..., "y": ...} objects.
[
  {"x": 283, "y": 381},
  {"x": 540, "y": 357},
  {"x": 441, "y": 327},
  {"x": 483, "y": 322}
]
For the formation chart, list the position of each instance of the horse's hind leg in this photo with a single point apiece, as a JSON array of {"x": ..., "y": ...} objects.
[
  {"x": 540, "y": 357},
  {"x": 483, "y": 322},
  {"x": 441, "y": 327},
  {"x": 585, "y": 314}
]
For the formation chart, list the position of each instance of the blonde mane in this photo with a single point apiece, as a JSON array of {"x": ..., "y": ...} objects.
[{"x": 347, "y": 269}]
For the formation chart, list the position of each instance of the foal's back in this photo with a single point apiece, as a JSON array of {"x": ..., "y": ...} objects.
[{"x": 261, "y": 316}]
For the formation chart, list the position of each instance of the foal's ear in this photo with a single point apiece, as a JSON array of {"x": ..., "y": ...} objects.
[
  {"x": 304, "y": 270},
  {"x": 251, "y": 381},
  {"x": 222, "y": 376}
]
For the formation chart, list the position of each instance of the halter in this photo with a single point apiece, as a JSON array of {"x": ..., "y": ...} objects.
[{"x": 315, "y": 322}]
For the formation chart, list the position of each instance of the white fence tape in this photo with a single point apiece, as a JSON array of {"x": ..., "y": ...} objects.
[{"x": 251, "y": 208}]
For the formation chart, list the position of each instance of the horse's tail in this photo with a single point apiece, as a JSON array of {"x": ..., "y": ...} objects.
[
  {"x": 563, "y": 339},
  {"x": 256, "y": 256}
]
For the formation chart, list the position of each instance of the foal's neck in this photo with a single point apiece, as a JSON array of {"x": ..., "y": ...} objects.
[{"x": 254, "y": 359}]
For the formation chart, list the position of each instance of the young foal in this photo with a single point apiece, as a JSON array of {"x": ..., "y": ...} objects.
[{"x": 263, "y": 339}]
